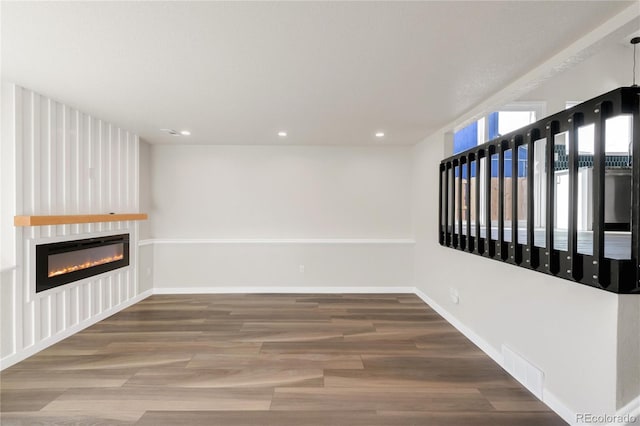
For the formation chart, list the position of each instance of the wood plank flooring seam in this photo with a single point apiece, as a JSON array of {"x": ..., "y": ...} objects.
[{"x": 307, "y": 359}]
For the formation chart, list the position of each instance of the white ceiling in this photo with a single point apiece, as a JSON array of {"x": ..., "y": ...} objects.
[{"x": 326, "y": 72}]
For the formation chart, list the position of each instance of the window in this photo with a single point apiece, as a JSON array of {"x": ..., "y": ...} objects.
[
  {"x": 507, "y": 119},
  {"x": 468, "y": 137},
  {"x": 570, "y": 210}
]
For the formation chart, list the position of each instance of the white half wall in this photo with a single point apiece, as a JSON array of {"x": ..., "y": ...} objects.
[
  {"x": 567, "y": 330},
  {"x": 202, "y": 264},
  {"x": 63, "y": 162},
  {"x": 589, "y": 330},
  {"x": 281, "y": 215}
]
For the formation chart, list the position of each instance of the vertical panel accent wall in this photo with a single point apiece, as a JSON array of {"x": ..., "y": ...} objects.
[{"x": 66, "y": 162}]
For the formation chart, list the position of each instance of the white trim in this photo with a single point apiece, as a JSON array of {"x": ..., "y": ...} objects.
[
  {"x": 549, "y": 399},
  {"x": 4, "y": 269},
  {"x": 553, "y": 402},
  {"x": 284, "y": 289},
  {"x": 559, "y": 407},
  {"x": 528, "y": 374},
  {"x": 485, "y": 347},
  {"x": 151, "y": 241},
  {"x": 539, "y": 107},
  {"x": 14, "y": 358},
  {"x": 632, "y": 409}
]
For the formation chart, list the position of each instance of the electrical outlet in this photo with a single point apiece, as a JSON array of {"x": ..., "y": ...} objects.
[
  {"x": 301, "y": 269},
  {"x": 454, "y": 296},
  {"x": 149, "y": 271}
]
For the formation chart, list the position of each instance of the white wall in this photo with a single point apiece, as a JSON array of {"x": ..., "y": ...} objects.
[
  {"x": 7, "y": 232},
  {"x": 629, "y": 351},
  {"x": 586, "y": 341},
  {"x": 599, "y": 73},
  {"x": 144, "y": 186},
  {"x": 145, "y": 252},
  {"x": 566, "y": 329},
  {"x": 342, "y": 212},
  {"x": 66, "y": 162},
  {"x": 281, "y": 192}
]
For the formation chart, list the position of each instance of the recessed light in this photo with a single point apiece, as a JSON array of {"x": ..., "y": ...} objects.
[
  {"x": 170, "y": 131},
  {"x": 379, "y": 134},
  {"x": 282, "y": 134},
  {"x": 173, "y": 132}
]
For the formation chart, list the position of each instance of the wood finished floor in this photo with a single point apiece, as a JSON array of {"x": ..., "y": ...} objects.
[{"x": 268, "y": 360}]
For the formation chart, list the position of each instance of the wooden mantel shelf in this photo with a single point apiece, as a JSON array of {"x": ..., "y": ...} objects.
[{"x": 74, "y": 219}]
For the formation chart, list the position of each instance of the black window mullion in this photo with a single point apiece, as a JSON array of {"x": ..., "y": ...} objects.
[
  {"x": 461, "y": 239},
  {"x": 443, "y": 194},
  {"x": 469, "y": 246},
  {"x": 501, "y": 249},
  {"x": 489, "y": 245},
  {"x": 576, "y": 121},
  {"x": 454, "y": 204},
  {"x": 635, "y": 194},
  {"x": 479, "y": 248},
  {"x": 553, "y": 128},
  {"x": 603, "y": 111},
  {"x": 515, "y": 158},
  {"x": 532, "y": 136},
  {"x": 447, "y": 194}
]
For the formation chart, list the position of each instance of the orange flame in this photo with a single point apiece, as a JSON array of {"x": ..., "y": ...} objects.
[{"x": 86, "y": 265}]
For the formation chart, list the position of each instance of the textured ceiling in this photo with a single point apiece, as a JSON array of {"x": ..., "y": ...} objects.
[{"x": 326, "y": 72}]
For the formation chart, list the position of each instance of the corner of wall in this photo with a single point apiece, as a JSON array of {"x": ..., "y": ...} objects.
[{"x": 628, "y": 360}]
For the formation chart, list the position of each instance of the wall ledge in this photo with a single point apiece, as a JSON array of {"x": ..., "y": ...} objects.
[
  {"x": 632, "y": 409},
  {"x": 7, "y": 268},
  {"x": 73, "y": 219},
  {"x": 297, "y": 289},
  {"x": 151, "y": 241}
]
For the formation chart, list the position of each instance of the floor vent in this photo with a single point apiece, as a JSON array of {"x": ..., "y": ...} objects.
[{"x": 526, "y": 373}]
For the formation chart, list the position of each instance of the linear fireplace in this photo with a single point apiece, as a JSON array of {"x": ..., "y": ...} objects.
[{"x": 68, "y": 261}]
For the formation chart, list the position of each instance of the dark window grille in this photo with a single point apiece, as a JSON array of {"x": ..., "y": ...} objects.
[{"x": 551, "y": 230}]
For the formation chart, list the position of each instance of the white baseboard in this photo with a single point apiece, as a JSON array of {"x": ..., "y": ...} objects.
[
  {"x": 549, "y": 399},
  {"x": 284, "y": 290},
  {"x": 16, "y": 357},
  {"x": 629, "y": 411},
  {"x": 559, "y": 407},
  {"x": 495, "y": 354},
  {"x": 333, "y": 241}
]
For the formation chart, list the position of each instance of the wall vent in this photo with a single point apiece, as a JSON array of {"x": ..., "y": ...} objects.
[{"x": 523, "y": 371}]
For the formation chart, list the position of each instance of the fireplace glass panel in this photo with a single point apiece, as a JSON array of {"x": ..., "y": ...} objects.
[
  {"x": 68, "y": 261},
  {"x": 64, "y": 263}
]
